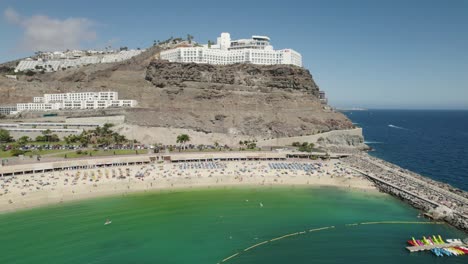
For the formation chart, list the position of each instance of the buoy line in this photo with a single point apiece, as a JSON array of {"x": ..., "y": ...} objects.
[
  {"x": 402, "y": 222},
  {"x": 325, "y": 228}
]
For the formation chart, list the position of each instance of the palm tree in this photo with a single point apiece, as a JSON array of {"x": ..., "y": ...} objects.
[
  {"x": 47, "y": 134},
  {"x": 189, "y": 38},
  {"x": 182, "y": 139}
]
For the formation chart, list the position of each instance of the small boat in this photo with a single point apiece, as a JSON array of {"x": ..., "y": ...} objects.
[
  {"x": 454, "y": 240},
  {"x": 446, "y": 252},
  {"x": 437, "y": 252},
  {"x": 108, "y": 222},
  {"x": 464, "y": 249},
  {"x": 441, "y": 240}
]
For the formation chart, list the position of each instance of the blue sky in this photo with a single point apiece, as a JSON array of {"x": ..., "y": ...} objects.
[{"x": 375, "y": 54}]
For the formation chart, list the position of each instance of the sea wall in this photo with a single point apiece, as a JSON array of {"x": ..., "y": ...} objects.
[
  {"x": 440, "y": 201},
  {"x": 441, "y": 213}
]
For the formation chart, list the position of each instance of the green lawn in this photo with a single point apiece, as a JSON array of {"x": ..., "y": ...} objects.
[
  {"x": 7, "y": 154},
  {"x": 74, "y": 154},
  {"x": 42, "y": 143}
]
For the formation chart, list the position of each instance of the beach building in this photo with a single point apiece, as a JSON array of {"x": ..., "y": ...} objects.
[
  {"x": 323, "y": 97},
  {"x": 7, "y": 109},
  {"x": 85, "y": 100},
  {"x": 256, "y": 50}
]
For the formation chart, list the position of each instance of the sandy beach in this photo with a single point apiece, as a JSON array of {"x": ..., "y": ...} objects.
[{"x": 40, "y": 189}]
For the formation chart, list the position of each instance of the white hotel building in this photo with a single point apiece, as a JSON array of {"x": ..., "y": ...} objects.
[
  {"x": 85, "y": 100},
  {"x": 55, "y": 61},
  {"x": 256, "y": 50}
]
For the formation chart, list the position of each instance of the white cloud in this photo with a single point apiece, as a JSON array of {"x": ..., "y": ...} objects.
[
  {"x": 11, "y": 16},
  {"x": 42, "y": 33}
]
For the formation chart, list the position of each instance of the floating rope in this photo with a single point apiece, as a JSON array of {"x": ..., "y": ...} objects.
[
  {"x": 402, "y": 222},
  {"x": 230, "y": 257},
  {"x": 256, "y": 245},
  {"x": 329, "y": 227}
]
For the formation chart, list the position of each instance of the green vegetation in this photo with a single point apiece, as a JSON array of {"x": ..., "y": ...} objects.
[
  {"x": 248, "y": 144},
  {"x": 23, "y": 140},
  {"x": 304, "y": 147},
  {"x": 100, "y": 135},
  {"x": 189, "y": 38},
  {"x": 17, "y": 152},
  {"x": 47, "y": 136},
  {"x": 182, "y": 139},
  {"x": 5, "y": 136},
  {"x": 100, "y": 152}
]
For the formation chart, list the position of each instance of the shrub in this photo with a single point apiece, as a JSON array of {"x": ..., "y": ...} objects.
[
  {"x": 81, "y": 152},
  {"x": 29, "y": 73},
  {"x": 251, "y": 145},
  {"x": 306, "y": 147},
  {"x": 296, "y": 144},
  {"x": 17, "y": 152}
]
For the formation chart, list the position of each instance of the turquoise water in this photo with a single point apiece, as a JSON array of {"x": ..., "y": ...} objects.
[{"x": 207, "y": 226}]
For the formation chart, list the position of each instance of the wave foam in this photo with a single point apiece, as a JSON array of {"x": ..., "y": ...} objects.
[
  {"x": 397, "y": 127},
  {"x": 372, "y": 142}
]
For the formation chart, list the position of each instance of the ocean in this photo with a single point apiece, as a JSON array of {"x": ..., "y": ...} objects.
[
  {"x": 212, "y": 225},
  {"x": 432, "y": 143}
]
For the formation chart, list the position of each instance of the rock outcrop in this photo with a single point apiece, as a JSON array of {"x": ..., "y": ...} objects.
[
  {"x": 245, "y": 100},
  {"x": 163, "y": 73}
]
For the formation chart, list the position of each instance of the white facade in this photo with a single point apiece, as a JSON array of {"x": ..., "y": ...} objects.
[
  {"x": 58, "y": 60},
  {"x": 85, "y": 100},
  {"x": 256, "y": 50},
  {"x": 85, "y": 96},
  {"x": 7, "y": 109}
]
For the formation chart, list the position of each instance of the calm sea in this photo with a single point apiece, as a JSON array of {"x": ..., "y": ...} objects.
[
  {"x": 432, "y": 143},
  {"x": 209, "y": 226}
]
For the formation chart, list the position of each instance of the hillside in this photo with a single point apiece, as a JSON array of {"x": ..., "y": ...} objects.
[{"x": 243, "y": 99}]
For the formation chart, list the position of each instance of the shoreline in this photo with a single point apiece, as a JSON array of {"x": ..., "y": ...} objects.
[
  {"x": 169, "y": 177},
  {"x": 189, "y": 188},
  {"x": 60, "y": 182}
]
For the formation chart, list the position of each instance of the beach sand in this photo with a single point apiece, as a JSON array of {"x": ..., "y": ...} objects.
[{"x": 34, "y": 190}]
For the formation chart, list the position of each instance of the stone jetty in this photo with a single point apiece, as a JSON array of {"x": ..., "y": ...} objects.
[{"x": 436, "y": 199}]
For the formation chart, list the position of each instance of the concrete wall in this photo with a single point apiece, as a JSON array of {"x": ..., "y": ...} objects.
[{"x": 118, "y": 119}]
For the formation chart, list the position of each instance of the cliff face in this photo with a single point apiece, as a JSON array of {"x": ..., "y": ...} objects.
[
  {"x": 236, "y": 100},
  {"x": 266, "y": 101},
  {"x": 284, "y": 77}
]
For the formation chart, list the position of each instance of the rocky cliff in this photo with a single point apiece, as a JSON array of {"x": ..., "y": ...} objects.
[
  {"x": 255, "y": 101},
  {"x": 266, "y": 101},
  {"x": 284, "y": 77}
]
